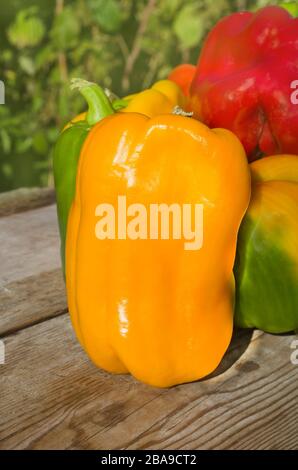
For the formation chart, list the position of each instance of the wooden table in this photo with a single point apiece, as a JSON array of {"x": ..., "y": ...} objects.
[{"x": 52, "y": 397}]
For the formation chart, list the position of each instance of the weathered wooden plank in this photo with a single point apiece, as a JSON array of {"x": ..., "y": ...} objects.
[
  {"x": 30, "y": 300},
  {"x": 29, "y": 244},
  {"x": 31, "y": 284},
  {"x": 53, "y": 397},
  {"x": 24, "y": 199}
]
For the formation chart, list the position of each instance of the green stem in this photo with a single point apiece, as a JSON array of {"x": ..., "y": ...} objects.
[{"x": 99, "y": 105}]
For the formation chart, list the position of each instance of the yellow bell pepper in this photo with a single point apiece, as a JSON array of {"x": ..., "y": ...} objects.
[
  {"x": 275, "y": 168},
  {"x": 161, "y": 98},
  {"x": 148, "y": 306}
]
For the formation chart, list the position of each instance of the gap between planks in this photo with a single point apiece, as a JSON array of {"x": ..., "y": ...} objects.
[
  {"x": 31, "y": 282},
  {"x": 52, "y": 397},
  {"x": 24, "y": 199}
]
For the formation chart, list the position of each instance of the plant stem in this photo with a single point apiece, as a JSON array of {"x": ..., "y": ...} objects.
[
  {"x": 136, "y": 46},
  {"x": 99, "y": 105}
]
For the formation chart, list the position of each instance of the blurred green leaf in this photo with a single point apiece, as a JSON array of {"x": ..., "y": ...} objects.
[
  {"x": 37, "y": 103},
  {"x": 27, "y": 65},
  {"x": 41, "y": 165},
  {"x": 7, "y": 55},
  {"x": 27, "y": 29},
  {"x": 23, "y": 145},
  {"x": 10, "y": 75},
  {"x": 189, "y": 26},
  {"x": 107, "y": 13},
  {"x": 40, "y": 143},
  {"x": 7, "y": 170},
  {"x": 63, "y": 104},
  {"x": 52, "y": 134},
  {"x": 66, "y": 29},
  {"x": 45, "y": 56},
  {"x": 291, "y": 7},
  {"x": 170, "y": 7},
  {"x": 5, "y": 140}
]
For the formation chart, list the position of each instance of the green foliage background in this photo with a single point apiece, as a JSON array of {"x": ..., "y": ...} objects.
[{"x": 124, "y": 45}]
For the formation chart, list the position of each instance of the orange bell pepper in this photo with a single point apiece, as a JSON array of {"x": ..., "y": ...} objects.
[
  {"x": 149, "y": 306},
  {"x": 183, "y": 75}
]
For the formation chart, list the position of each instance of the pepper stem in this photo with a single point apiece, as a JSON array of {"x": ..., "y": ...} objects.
[{"x": 99, "y": 106}]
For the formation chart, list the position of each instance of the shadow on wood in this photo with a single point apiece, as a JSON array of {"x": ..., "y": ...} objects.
[{"x": 239, "y": 343}]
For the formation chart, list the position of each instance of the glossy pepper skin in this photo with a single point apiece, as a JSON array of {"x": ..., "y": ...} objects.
[
  {"x": 266, "y": 267},
  {"x": 149, "y": 307},
  {"x": 244, "y": 80},
  {"x": 162, "y": 97}
]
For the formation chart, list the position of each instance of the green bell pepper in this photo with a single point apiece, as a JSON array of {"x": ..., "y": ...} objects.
[
  {"x": 68, "y": 148},
  {"x": 266, "y": 266}
]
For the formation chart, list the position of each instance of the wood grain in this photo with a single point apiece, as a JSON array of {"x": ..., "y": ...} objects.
[
  {"x": 24, "y": 199},
  {"x": 31, "y": 284},
  {"x": 52, "y": 397},
  {"x": 33, "y": 299}
]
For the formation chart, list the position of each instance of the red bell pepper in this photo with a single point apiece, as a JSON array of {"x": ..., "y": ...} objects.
[{"x": 245, "y": 80}]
